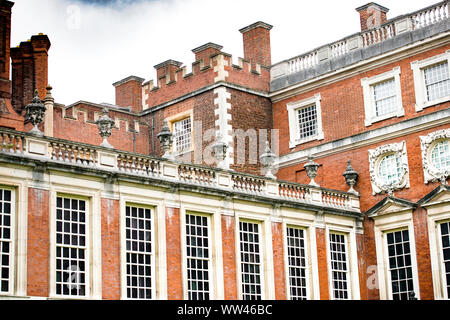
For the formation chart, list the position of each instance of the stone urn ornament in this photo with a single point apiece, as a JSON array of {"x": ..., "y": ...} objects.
[
  {"x": 220, "y": 152},
  {"x": 105, "y": 125},
  {"x": 311, "y": 170},
  {"x": 35, "y": 112},
  {"x": 268, "y": 159},
  {"x": 351, "y": 177},
  {"x": 166, "y": 140}
]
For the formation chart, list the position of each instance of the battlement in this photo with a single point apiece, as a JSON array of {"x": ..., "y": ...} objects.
[{"x": 211, "y": 65}]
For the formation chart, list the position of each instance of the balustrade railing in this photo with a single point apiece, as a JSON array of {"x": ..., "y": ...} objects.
[
  {"x": 66, "y": 152},
  {"x": 416, "y": 20}
]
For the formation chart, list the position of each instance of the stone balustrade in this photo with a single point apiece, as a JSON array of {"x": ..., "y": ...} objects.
[
  {"x": 392, "y": 28},
  {"x": 58, "y": 151}
]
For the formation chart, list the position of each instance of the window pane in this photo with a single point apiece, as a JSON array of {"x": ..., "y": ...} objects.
[
  {"x": 6, "y": 240},
  {"x": 445, "y": 236},
  {"x": 400, "y": 265},
  {"x": 307, "y": 121},
  {"x": 70, "y": 247},
  {"x": 198, "y": 257},
  {"x": 437, "y": 81},
  {"x": 138, "y": 253},
  {"x": 250, "y": 261},
  {"x": 182, "y": 132},
  {"x": 297, "y": 263},
  {"x": 339, "y": 266},
  {"x": 390, "y": 169},
  {"x": 440, "y": 155},
  {"x": 385, "y": 97}
]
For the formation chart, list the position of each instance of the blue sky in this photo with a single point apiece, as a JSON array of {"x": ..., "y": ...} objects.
[{"x": 98, "y": 42}]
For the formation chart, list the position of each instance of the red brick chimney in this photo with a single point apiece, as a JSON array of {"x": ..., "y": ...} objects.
[
  {"x": 205, "y": 51},
  {"x": 168, "y": 67},
  {"x": 29, "y": 70},
  {"x": 257, "y": 43},
  {"x": 372, "y": 15},
  {"x": 129, "y": 93},
  {"x": 5, "y": 40},
  {"x": 8, "y": 117}
]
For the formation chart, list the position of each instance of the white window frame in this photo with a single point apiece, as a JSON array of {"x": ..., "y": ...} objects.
[
  {"x": 399, "y": 219},
  {"x": 216, "y": 288},
  {"x": 177, "y": 118},
  {"x": 427, "y": 143},
  {"x": 12, "y": 237},
  {"x": 124, "y": 249},
  {"x": 348, "y": 262},
  {"x": 261, "y": 255},
  {"x": 419, "y": 80},
  {"x": 306, "y": 237},
  {"x": 375, "y": 158},
  {"x": 134, "y": 197},
  {"x": 88, "y": 245},
  {"x": 388, "y": 273},
  {"x": 369, "y": 101},
  {"x": 210, "y": 253},
  {"x": 93, "y": 238},
  {"x": 441, "y": 260},
  {"x": 292, "y": 109},
  {"x": 438, "y": 211}
]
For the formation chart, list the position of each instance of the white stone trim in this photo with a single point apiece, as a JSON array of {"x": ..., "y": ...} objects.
[
  {"x": 292, "y": 108},
  {"x": 375, "y": 157},
  {"x": 419, "y": 81},
  {"x": 369, "y": 102},
  {"x": 438, "y": 211},
  {"x": 223, "y": 111},
  {"x": 427, "y": 144}
]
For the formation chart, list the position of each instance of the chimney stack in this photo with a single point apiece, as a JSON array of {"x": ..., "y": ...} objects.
[
  {"x": 372, "y": 15},
  {"x": 257, "y": 43},
  {"x": 129, "y": 93},
  {"x": 29, "y": 70},
  {"x": 5, "y": 40}
]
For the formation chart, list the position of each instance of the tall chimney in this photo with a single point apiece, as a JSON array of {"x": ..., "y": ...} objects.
[
  {"x": 5, "y": 43},
  {"x": 257, "y": 43},
  {"x": 29, "y": 70},
  {"x": 372, "y": 15},
  {"x": 129, "y": 93}
]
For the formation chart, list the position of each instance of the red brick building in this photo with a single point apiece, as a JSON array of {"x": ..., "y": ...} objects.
[{"x": 173, "y": 193}]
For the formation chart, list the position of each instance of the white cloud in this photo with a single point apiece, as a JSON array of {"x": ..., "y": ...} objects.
[{"x": 96, "y": 45}]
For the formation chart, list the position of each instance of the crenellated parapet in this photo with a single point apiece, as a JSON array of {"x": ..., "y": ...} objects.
[{"x": 211, "y": 65}]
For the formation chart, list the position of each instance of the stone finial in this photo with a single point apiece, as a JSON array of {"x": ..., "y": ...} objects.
[
  {"x": 105, "y": 125},
  {"x": 351, "y": 177},
  {"x": 311, "y": 170},
  {"x": 220, "y": 152},
  {"x": 166, "y": 139},
  {"x": 268, "y": 159},
  {"x": 35, "y": 112}
]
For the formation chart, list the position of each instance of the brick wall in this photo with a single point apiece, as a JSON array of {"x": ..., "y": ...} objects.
[
  {"x": 173, "y": 254},
  {"x": 110, "y": 249},
  {"x": 80, "y": 127},
  {"x": 322, "y": 264},
  {"x": 229, "y": 258},
  {"x": 38, "y": 243},
  {"x": 278, "y": 261}
]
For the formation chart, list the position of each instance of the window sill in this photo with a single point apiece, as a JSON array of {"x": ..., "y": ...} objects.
[
  {"x": 432, "y": 103},
  {"x": 293, "y": 144},
  {"x": 399, "y": 113}
]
